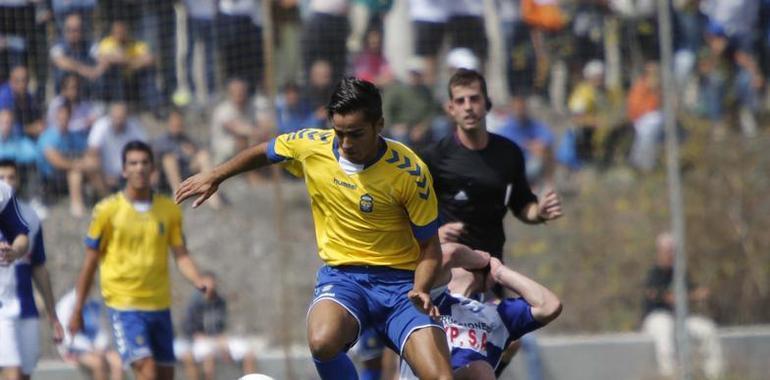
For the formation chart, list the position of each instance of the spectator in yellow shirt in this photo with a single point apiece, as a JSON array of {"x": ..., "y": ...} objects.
[{"x": 128, "y": 67}]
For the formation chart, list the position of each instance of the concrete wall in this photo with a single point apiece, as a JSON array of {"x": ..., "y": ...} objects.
[{"x": 622, "y": 356}]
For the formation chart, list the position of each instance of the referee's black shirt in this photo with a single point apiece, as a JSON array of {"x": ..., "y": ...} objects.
[{"x": 477, "y": 186}]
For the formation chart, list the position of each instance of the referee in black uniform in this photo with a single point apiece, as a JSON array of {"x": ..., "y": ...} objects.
[{"x": 478, "y": 176}]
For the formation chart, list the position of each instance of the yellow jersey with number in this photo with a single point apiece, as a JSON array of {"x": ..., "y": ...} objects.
[
  {"x": 134, "y": 247},
  {"x": 371, "y": 214}
]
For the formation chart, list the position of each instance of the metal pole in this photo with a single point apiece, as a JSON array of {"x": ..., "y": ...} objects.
[
  {"x": 270, "y": 90},
  {"x": 674, "y": 187}
]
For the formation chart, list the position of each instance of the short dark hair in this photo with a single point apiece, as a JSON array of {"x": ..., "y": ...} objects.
[
  {"x": 352, "y": 95},
  {"x": 466, "y": 77},
  {"x": 9, "y": 163},
  {"x": 136, "y": 145}
]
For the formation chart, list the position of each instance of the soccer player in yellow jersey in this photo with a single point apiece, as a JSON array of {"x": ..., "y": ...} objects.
[
  {"x": 129, "y": 240},
  {"x": 375, "y": 217}
]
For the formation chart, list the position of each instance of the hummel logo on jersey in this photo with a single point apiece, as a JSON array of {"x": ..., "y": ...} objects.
[
  {"x": 367, "y": 203},
  {"x": 461, "y": 196},
  {"x": 344, "y": 184}
]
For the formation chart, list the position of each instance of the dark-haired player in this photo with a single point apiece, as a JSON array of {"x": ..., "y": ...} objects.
[
  {"x": 129, "y": 239},
  {"x": 376, "y": 222}
]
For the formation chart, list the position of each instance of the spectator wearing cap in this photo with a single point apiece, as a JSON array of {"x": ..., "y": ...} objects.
[
  {"x": 585, "y": 104},
  {"x": 466, "y": 28},
  {"x": 729, "y": 61},
  {"x": 409, "y": 108}
]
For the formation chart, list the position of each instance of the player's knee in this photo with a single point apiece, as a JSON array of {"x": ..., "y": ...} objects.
[{"x": 323, "y": 345}]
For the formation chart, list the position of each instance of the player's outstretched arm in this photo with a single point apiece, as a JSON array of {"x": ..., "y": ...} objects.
[
  {"x": 205, "y": 184},
  {"x": 82, "y": 288},
  {"x": 425, "y": 275},
  {"x": 544, "y": 304}
]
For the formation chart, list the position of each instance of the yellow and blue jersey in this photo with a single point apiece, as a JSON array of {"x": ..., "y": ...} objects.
[
  {"x": 373, "y": 216},
  {"x": 134, "y": 249}
]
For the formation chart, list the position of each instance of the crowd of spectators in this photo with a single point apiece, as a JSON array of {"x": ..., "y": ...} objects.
[{"x": 594, "y": 64}]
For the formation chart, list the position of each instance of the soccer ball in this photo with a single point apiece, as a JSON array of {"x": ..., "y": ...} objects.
[{"x": 256, "y": 376}]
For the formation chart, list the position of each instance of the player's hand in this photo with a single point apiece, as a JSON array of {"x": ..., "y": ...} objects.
[
  {"x": 207, "y": 288},
  {"x": 57, "y": 331},
  {"x": 421, "y": 300},
  {"x": 76, "y": 323},
  {"x": 450, "y": 232},
  {"x": 549, "y": 207},
  {"x": 204, "y": 185},
  {"x": 7, "y": 255}
]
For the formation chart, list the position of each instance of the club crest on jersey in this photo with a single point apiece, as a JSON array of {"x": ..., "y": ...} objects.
[{"x": 366, "y": 204}]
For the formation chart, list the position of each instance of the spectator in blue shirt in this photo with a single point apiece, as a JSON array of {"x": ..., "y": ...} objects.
[
  {"x": 15, "y": 146},
  {"x": 61, "y": 161},
  {"x": 293, "y": 112},
  {"x": 15, "y": 96},
  {"x": 534, "y": 138}
]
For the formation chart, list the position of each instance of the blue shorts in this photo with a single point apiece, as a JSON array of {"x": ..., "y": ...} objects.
[
  {"x": 143, "y": 334},
  {"x": 377, "y": 299}
]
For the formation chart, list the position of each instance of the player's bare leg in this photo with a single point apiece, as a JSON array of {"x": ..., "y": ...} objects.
[
  {"x": 147, "y": 369},
  {"x": 389, "y": 364},
  {"x": 115, "y": 364},
  {"x": 427, "y": 353},
  {"x": 95, "y": 365},
  {"x": 329, "y": 329},
  {"x": 144, "y": 369},
  {"x": 477, "y": 370}
]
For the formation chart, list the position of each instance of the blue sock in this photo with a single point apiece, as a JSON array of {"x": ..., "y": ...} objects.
[
  {"x": 339, "y": 367},
  {"x": 371, "y": 374}
]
